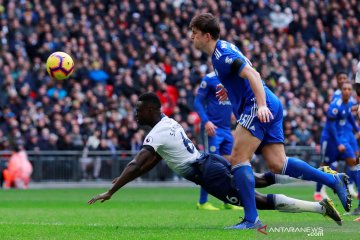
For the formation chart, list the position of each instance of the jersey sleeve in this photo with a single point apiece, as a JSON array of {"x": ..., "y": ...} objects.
[
  {"x": 353, "y": 123},
  {"x": 333, "y": 111},
  {"x": 200, "y": 98},
  {"x": 332, "y": 114},
  {"x": 152, "y": 141},
  {"x": 232, "y": 61}
]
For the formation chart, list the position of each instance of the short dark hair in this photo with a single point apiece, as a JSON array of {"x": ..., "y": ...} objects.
[
  {"x": 150, "y": 98},
  {"x": 206, "y": 23},
  {"x": 341, "y": 71}
]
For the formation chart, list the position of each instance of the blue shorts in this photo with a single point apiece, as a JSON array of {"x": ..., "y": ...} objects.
[
  {"x": 331, "y": 154},
  {"x": 271, "y": 132},
  {"x": 213, "y": 173},
  {"x": 352, "y": 141},
  {"x": 221, "y": 143}
]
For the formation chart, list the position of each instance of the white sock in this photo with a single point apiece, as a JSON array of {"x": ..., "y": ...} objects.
[
  {"x": 352, "y": 187},
  {"x": 323, "y": 192},
  {"x": 287, "y": 204},
  {"x": 284, "y": 179}
]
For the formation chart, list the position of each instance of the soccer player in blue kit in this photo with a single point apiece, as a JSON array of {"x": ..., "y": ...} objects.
[
  {"x": 218, "y": 138},
  {"x": 328, "y": 143},
  {"x": 260, "y": 116},
  {"x": 335, "y": 137}
]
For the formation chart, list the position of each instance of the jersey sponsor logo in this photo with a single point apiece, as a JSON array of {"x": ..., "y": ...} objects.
[
  {"x": 335, "y": 111},
  {"x": 148, "y": 140},
  {"x": 203, "y": 84},
  {"x": 228, "y": 60},
  {"x": 226, "y": 102}
]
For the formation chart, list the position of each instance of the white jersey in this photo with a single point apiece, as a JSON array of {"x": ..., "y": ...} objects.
[
  {"x": 357, "y": 76},
  {"x": 169, "y": 140}
]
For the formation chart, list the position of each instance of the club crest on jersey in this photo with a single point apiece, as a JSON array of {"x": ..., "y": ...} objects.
[
  {"x": 228, "y": 60},
  {"x": 148, "y": 140},
  {"x": 335, "y": 111},
  {"x": 203, "y": 84}
]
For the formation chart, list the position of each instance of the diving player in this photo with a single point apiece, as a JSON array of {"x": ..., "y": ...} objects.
[{"x": 167, "y": 140}]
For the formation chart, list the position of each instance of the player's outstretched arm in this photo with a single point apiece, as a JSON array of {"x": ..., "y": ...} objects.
[
  {"x": 143, "y": 162},
  {"x": 254, "y": 78}
]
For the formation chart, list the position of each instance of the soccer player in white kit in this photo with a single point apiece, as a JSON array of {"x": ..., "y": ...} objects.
[{"x": 167, "y": 140}]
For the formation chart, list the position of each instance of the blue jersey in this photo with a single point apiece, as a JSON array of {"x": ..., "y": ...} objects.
[
  {"x": 239, "y": 90},
  {"x": 242, "y": 97},
  {"x": 212, "y": 110},
  {"x": 351, "y": 124},
  {"x": 219, "y": 113},
  {"x": 337, "y": 116}
]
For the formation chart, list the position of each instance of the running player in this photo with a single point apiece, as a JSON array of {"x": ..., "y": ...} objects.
[{"x": 260, "y": 116}]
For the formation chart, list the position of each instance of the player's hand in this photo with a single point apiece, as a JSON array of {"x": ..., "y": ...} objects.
[
  {"x": 221, "y": 93},
  {"x": 210, "y": 128},
  {"x": 358, "y": 111},
  {"x": 357, "y": 135},
  {"x": 102, "y": 197},
  {"x": 264, "y": 114},
  {"x": 341, "y": 148}
]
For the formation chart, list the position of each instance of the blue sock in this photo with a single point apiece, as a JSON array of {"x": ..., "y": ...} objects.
[
  {"x": 203, "y": 196},
  {"x": 356, "y": 175},
  {"x": 350, "y": 174},
  {"x": 318, "y": 186},
  {"x": 297, "y": 168},
  {"x": 245, "y": 184}
]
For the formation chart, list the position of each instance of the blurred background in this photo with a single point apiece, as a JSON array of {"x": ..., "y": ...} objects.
[{"x": 83, "y": 128}]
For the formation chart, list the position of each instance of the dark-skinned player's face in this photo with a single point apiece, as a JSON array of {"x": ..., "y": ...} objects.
[
  {"x": 143, "y": 113},
  {"x": 341, "y": 78},
  {"x": 346, "y": 91}
]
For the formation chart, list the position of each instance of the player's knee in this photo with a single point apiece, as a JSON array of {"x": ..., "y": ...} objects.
[
  {"x": 275, "y": 167},
  {"x": 351, "y": 162}
]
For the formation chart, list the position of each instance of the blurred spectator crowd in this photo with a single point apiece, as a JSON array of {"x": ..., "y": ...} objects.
[{"x": 124, "y": 48}]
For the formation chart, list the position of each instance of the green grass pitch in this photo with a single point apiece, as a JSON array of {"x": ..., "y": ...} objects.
[{"x": 149, "y": 213}]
